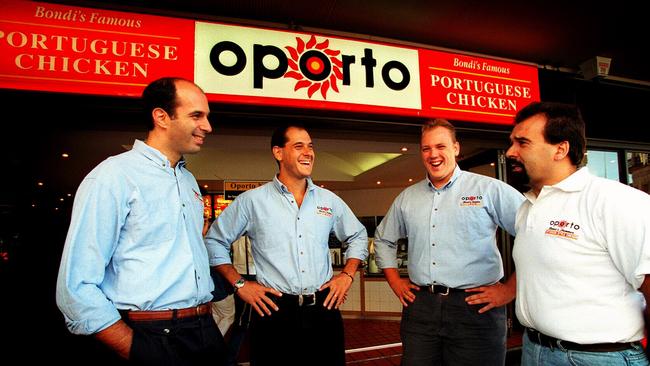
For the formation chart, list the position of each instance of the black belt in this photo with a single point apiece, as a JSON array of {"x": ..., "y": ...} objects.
[
  {"x": 302, "y": 300},
  {"x": 438, "y": 289},
  {"x": 550, "y": 342}
]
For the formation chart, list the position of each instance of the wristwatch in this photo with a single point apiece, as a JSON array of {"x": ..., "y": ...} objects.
[{"x": 239, "y": 284}]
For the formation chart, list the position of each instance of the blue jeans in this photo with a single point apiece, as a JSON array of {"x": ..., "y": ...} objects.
[
  {"x": 445, "y": 330},
  {"x": 534, "y": 354}
]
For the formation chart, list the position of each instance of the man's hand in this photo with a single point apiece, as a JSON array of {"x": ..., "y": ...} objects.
[
  {"x": 494, "y": 295},
  {"x": 401, "y": 286},
  {"x": 117, "y": 337},
  {"x": 255, "y": 294},
  {"x": 339, "y": 286}
]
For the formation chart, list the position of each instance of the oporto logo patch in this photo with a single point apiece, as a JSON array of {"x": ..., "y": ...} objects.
[
  {"x": 324, "y": 211},
  {"x": 563, "y": 228},
  {"x": 472, "y": 200}
]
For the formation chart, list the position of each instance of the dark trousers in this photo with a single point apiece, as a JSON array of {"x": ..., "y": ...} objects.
[
  {"x": 445, "y": 330},
  {"x": 177, "y": 342},
  {"x": 298, "y": 335},
  {"x": 239, "y": 329}
]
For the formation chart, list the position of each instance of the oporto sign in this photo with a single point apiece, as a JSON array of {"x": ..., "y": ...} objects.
[{"x": 261, "y": 66}]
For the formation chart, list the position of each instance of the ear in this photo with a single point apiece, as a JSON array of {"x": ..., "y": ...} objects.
[
  {"x": 561, "y": 151},
  {"x": 160, "y": 118},
  {"x": 277, "y": 153},
  {"x": 456, "y": 149}
]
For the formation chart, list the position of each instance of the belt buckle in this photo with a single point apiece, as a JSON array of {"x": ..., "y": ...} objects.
[
  {"x": 446, "y": 292},
  {"x": 304, "y": 300}
]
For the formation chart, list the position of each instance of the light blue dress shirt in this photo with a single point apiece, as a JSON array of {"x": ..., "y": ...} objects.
[
  {"x": 451, "y": 231},
  {"x": 289, "y": 244},
  {"x": 134, "y": 242}
]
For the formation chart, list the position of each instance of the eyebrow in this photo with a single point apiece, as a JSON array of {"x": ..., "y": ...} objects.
[{"x": 520, "y": 139}]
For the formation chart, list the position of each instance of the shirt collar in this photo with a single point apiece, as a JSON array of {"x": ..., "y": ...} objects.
[
  {"x": 154, "y": 155},
  {"x": 573, "y": 183},
  {"x": 454, "y": 176},
  {"x": 282, "y": 188}
]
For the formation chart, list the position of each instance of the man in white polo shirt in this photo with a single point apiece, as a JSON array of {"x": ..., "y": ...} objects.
[{"x": 582, "y": 250}]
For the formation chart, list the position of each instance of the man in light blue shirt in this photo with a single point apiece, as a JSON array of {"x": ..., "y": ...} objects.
[
  {"x": 289, "y": 221},
  {"x": 450, "y": 219},
  {"x": 134, "y": 271}
]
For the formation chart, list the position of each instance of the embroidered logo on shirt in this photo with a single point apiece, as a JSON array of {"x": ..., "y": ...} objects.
[
  {"x": 325, "y": 211},
  {"x": 197, "y": 195},
  {"x": 471, "y": 201},
  {"x": 563, "y": 229}
]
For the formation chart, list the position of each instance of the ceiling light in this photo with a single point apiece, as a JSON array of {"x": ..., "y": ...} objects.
[
  {"x": 491, "y": 164},
  {"x": 69, "y": 195},
  {"x": 410, "y": 179},
  {"x": 205, "y": 186},
  {"x": 404, "y": 149},
  {"x": 378, "y": 182},
  {"x": 61, "y": 199},
  {"x": 40, "y": 184},
  {"x": 65, "y": 155}
]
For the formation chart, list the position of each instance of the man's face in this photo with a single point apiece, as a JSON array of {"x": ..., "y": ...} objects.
[
  {"x": 297, "y": 156},
  {"x": 439, "y": 152},
  {"x": 189, "y": 125},
  {"x": 529, "y": 152}
]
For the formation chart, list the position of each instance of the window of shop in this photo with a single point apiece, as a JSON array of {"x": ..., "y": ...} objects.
[
  {"x": 603, "y": 164},
  {"x": 638, "y": 170}
]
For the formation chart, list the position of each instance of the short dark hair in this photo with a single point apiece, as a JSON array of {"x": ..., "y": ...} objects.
[
  {"x": 279, "y": 136},
  {"x": 563, "y": 123},
  {"x": 439, "y": 122},
  {"x": 160, "y": 93}
]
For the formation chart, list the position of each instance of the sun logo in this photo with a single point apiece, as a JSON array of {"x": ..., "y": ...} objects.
[{"x": 314, "y": 66}]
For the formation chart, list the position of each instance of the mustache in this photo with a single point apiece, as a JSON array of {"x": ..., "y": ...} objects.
[{"x": 514, "y": 163}]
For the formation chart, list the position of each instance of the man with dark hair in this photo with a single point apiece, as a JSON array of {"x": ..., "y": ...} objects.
[
  {"x": 582, "y": 249},
  {"x": 289, "y": 221},
  {"x": 454, "y": 311},
  {"x": 134, "y": 271}
]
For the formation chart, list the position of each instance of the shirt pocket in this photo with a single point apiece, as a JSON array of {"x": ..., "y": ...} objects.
[{"x": 152, "y": 222}]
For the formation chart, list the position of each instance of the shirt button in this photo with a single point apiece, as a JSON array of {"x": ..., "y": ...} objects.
[
  {"x": 291, "y": 201},
  {"x": 434, "y": 263},
  {"x": 183, "y": 205},
  {"x": 436, "y": 209},
  {"x": 300, "y": 236},
  {"x": 301, "y": 253},
  {"x": 304, "y": 289},
  {"x": 299, "y": 218},
  {"x": 303, "y": 271},
  {"x": 434, "y": 226},
  {"x": 433, "y": 244}
]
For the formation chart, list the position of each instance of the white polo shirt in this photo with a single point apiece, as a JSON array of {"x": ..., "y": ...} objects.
[{"x": 581, "y": 252}]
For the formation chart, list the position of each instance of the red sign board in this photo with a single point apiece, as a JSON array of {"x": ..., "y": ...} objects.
[
  {"x": 63, "y": 48},
  {"x": 475, "y": 89}
]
